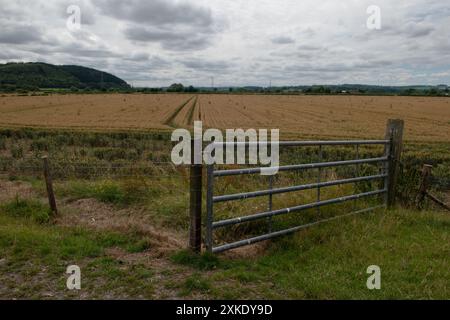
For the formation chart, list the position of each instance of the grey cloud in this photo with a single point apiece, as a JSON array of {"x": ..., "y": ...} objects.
[
  {"x": 418, "y": 30},
  {"x": 11, "y": 10},
  {"x": 11, "y": 34},
  {"x": 309, "y": 32},
  {"x": 283, "y": 40},
  {"x": 138, "y": 56},
  {"x": 156, "y": 12},
  {"x": 443, "y": 47},
  {"x": 339, "y": 67},
  {"x": 139, "y": 71},
  {"x": 91, "y": 53},
  {"x": 430, "y": 12},
  {"x": 7, "y": 56},
  {"x": 11, "y": 55},
  {"x": 153, "y": 41},
  {"x": 311, "y": 48},
  {"x": 409, "y": 29},
  {"x": 138, "y": 61},
  {"x": 79, "y": 50},
  {"x": 205, "y": 65},
  {"x": 195, "y": 43},
  {"x": 175, "y": 25},
  {"x": 150, "y": 34},
  {"x": 75, "y": 49},
  {"x": 304, "y": 52},
  {"x": 177, "y": 40}
]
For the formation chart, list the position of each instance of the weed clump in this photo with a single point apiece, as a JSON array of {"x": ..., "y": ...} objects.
[
  {"x": 109, "y": 192},
  {"x": 201, "y": 262},
  {"x": 29, "y": 209}
]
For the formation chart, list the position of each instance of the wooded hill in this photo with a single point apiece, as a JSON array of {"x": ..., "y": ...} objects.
[{"x": 42, "y": 75}]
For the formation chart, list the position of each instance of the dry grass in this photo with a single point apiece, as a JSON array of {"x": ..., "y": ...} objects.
[
  {"x": 10, "y": 189},
  {"x": 427, "y": 119},
  {"x": 99, "y": 216}
]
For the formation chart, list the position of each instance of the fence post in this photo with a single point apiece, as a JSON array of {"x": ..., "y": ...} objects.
[
  {"x": 49, "y": 184},
  {"x": 424, "y": 184},
  {"x": 394, "y": 133},
  {"x": 195, "y": 230}
]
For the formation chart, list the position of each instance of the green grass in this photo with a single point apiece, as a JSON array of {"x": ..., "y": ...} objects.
[
  {"x": 330, "y": 261},
  {"x": 195, "y": 284},
  {"x": 30, "y": 209},
  {"x": 105, "y": 191},
  {"x": 120, "y": 191},
  {"x": 36, "y": 256},
  {"x": 200, "y": 262}
]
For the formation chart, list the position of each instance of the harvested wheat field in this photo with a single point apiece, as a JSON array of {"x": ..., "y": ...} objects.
[
  {"x": 109, "y": 111},
  {"x": 427, "y": 119}
]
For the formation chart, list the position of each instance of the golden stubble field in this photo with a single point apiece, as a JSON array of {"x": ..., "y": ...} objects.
[
  {"x": 427, "y": 119},
  {"x": 109, "y": 111}
]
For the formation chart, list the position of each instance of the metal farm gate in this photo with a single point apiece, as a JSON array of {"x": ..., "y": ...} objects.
[{"x": 387, "y": 177}]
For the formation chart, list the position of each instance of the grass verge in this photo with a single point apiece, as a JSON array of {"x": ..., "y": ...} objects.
[
  {"x": 330, "y": 261},
  {"x": 34, "y": 257}
]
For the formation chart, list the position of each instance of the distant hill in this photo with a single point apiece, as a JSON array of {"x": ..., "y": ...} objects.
[{"x": 43, "y": 75}]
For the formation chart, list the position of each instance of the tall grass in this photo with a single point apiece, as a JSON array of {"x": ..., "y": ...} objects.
[{"x": 29, "y": 209}]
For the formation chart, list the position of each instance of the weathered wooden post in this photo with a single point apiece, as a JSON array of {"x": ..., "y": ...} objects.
[
  {"x": 49, "y": 184},
  {"x": 424, "y": 185},
  {"x": 394, "y": 133},
  {"x": 195, "y": 230}
]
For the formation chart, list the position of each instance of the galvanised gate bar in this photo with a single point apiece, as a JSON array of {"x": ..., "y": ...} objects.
[{"x": 213, "y": 174}]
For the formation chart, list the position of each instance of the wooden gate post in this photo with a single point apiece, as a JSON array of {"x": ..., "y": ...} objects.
[
  {"x": 424, "y": 185},
  {"x": 49, "y": 184},
  {"x": 195, "y": 207},
  {"x": 394, "y": 133}
]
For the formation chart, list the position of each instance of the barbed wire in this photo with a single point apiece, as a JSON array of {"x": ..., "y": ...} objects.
[{"x": 72, "y": 162}]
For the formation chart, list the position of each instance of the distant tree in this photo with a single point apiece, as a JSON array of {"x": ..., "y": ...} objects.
[
  {"x": 409, "y": 92},
  {"x": 432, "y": 92},
  {"x": 176, "y": 87},
  {"x": 190, "y": 89}
]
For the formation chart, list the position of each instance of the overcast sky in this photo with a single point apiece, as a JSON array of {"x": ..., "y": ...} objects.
[{"x": 238, "y": 42}]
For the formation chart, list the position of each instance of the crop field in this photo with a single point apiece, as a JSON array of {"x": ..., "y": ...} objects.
[
  {"x": 427, "y": 119},
  {"x": 91, "y": 111}
]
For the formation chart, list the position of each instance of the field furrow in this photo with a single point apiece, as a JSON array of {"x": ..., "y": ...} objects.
[{"x": 427, "y": 118}]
